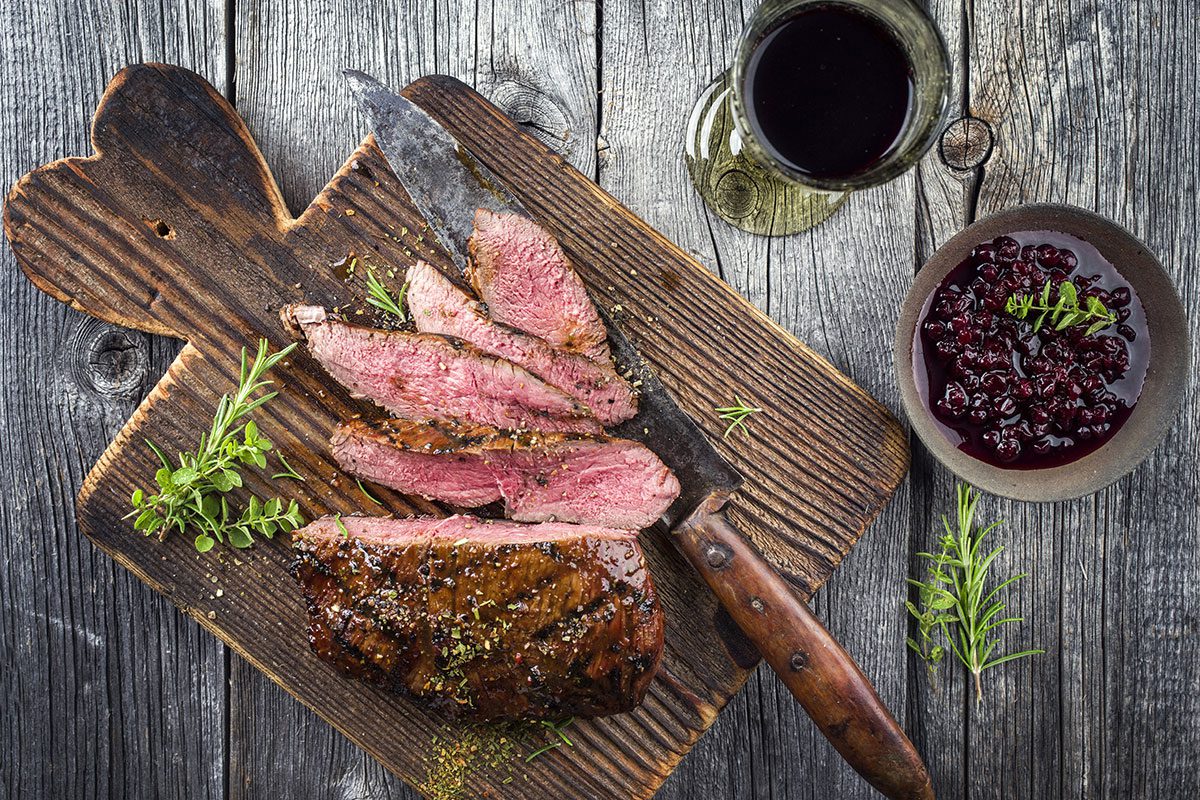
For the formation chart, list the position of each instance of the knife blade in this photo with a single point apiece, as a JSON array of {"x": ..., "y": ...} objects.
[{"x": 448, "y": 184}]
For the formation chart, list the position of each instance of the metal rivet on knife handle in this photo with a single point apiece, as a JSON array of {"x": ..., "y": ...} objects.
[{"x": 718, "y": 555}]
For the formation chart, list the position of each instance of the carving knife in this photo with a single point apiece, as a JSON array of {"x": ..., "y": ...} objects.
[{"x": 447, "y": 185}]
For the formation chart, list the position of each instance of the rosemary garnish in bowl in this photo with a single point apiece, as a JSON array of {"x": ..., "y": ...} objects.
[
  {"x": 955, "y": 597},
  {"x": 1065, "y": 313},
  {"x": 191, "y": 495}
]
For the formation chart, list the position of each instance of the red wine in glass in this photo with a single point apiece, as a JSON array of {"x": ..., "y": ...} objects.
[
  {"x": 824, "y": 97},
  {"x": 828, "y": 91}
]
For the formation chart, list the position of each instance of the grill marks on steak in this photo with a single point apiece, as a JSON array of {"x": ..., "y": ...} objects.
[
  {"x": 424, "y": 376},
  {"x": 568, "y": 477},
  {"x": 508, "y": 621},
  {"x": 521, "y": 272},
  {"x": 439, "y": 306}
]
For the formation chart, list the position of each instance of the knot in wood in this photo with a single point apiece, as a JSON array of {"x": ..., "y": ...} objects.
[
  {"x": 757, "y": 604},
  {"x": 798, "y": 661},
  {"x": 535, "y": 111},
  {"x": 966, "y": 143},
  {"x": 718, "y": 555},
  {"x": 109, "y": 360},
  {"x": 737, "y": 194}
]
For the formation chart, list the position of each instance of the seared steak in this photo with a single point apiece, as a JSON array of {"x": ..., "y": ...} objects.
[
  {"x": 539, "y": 476},
  {"x": 499, "y": 619},
  {"x": 425, "y": 376},
  {"x": 439, "y": 306},
  {"x": 521, "y": 273}
]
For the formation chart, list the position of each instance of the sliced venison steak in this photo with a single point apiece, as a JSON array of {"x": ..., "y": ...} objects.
[
  {"x": 425, "y": 376},
  {"x": 522, "y": 274},
  {"x": 539, "y": 476},
  {"x": 440, "y": 306},
  {"x": 498, "y": 619}
]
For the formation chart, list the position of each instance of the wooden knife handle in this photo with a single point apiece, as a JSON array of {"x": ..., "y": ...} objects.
[{"x": 819, "y": 672}]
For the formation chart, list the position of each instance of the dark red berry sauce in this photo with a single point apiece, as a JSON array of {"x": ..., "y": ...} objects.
[{"x": 1017, "y": 398}]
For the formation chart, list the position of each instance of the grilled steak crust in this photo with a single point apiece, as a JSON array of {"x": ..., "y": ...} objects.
[
  {"x": 425, "y": 376},
  {"x": 519, "y": 270},
  {"x": 541, "y": 476},
  {"x": 440, "y": 306},
  {"x": 486, "y": 617}
]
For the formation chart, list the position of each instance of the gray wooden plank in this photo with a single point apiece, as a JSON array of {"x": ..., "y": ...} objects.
[
  {"x": 944, "y": 201},
  {"x": 1093, "y": 101},
  {"x": 108, "y": 691},
  {"x": 657, "y": 57},
  {"x": 537, "y": 61}
]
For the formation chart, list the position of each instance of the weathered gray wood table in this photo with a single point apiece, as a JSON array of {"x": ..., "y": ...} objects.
[{"x": 108, "y": 691}]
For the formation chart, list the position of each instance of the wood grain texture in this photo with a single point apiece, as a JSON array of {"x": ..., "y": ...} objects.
[
  {"x": 187, "y": 233},
  {"x": 107, "y": 691},
  {"x": 1114, "y": 596},
  {"x": 1093, "y": 103}
]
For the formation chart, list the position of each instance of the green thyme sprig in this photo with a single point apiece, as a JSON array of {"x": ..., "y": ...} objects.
[
  {"x": 382, "y": 298},
  {"x": 191, "y": 493},
  {"x": 736, "y": 415},
  {"x": 956, "y": 594},
  {"x": 1064, "y": 313}
]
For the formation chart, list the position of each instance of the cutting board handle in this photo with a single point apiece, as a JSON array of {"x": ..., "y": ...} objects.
[
  {"x": 816, "y": 669},
  {"x": 174, "y": 216}
]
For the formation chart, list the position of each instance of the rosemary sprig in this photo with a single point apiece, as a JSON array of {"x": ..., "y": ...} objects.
[
  {"x": 367, "y": 494},
  {"x": 1064, "y": 313},
  {"x": 382, "y": 298},
  {"x": 289, "y": 473},
  {"x": 557, "y": 729},
  {"x": 191, "y": 494},
  {"x": 736, "y": 415},
  {"x": 955, "y": 593}
]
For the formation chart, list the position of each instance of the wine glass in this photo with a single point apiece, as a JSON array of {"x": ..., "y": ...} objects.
[{"x": 767, "y": 142}]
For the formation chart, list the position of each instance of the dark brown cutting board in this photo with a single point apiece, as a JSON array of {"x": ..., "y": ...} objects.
[{"x": 177, "y": 227}]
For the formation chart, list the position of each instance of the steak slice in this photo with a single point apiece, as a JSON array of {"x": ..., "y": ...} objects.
[
  {"x": 519, "y": 270},
  {"x": 440, "y": 306},
  {"x": 498, "y": 619},
  {"x": 425, "y": 376},
  {"x": 539, "y": 476}
]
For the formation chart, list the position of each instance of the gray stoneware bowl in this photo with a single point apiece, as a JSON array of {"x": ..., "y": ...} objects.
[{"x": 1166, "y": 378}]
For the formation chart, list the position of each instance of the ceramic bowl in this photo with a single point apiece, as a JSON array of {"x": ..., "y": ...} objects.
[{"x": 1166, "y": 377}]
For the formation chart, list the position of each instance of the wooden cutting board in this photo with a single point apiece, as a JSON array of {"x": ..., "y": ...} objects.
[{"x": 176, "y": 227}]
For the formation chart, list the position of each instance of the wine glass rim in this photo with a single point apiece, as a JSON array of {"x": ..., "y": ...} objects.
[{"x": 890, "y": 166}]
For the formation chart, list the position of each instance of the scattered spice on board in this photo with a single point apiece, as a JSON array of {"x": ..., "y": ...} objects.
[{"x": 458, "y": 753}]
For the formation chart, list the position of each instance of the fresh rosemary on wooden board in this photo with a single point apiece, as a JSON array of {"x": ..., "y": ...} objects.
[
  {"x": 383, "y": 299},
  {"x": 191, "y": 494},
  {"x": 736, "y": 415},
  {"x": 955, "y": 601}
]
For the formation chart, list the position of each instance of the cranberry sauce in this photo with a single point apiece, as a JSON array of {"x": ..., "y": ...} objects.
[
  {"x": 829, "y": 91},
  {"x": 1025, "y": 399}
]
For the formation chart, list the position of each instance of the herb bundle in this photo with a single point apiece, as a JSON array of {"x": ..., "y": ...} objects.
[
  {"x": 954, "y": 598},
  {"x": 1065, "y": 313},
  {"x": 191, "y": 494}
]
